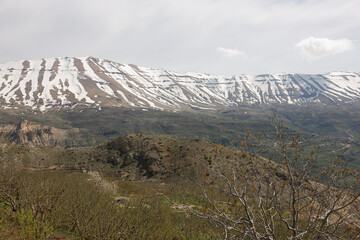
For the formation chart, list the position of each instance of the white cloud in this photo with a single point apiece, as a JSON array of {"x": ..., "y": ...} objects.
[
  {"x": 229, "y": 53},
  {"x": 314, "y": 48}
]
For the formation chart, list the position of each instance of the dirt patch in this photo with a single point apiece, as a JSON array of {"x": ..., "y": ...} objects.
[
  {"x": 54, "y": 69},
  {"x": 106, "y": 185}
]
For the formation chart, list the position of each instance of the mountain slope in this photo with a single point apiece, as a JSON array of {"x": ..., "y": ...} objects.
[
  {"x": 136, "y": 157},
  {"x": 59, "y": 82}
]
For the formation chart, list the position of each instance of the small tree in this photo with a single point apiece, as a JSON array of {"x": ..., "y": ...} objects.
[{"x": 265, "y": 200}]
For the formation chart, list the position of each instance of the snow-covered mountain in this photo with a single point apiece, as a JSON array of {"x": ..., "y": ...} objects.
[{"x": 64, "y": 82}]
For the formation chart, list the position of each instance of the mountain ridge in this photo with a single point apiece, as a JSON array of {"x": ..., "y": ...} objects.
[{"x": 88, "y": 81}]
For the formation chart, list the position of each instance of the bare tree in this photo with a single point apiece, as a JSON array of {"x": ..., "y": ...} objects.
[{"x": 259, "y": 199}]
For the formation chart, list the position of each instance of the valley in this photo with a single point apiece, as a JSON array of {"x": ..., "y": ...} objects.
[
  {"x": 335, "y": 130},
  {"x": 132, "y": 180}
]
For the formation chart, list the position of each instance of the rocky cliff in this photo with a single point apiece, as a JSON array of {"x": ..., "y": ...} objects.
[{"x": 31, "y": 133}]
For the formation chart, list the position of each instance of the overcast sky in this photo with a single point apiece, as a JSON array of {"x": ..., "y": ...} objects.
[{"x": 222, "y": 37}]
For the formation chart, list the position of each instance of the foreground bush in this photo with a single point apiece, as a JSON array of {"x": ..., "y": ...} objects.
[{"x": 46, "y": 205}]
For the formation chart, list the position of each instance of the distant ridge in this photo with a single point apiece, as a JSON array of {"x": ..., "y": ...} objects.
[{"x": 88, "y": 81}]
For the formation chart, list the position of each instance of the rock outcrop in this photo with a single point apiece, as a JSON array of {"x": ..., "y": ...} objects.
[{"x": 31, "y": 133}]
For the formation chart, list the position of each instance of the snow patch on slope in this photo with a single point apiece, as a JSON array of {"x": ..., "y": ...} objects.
[{"x": 43, "y": 84}]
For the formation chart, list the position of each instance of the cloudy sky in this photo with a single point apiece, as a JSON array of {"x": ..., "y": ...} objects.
[{"x": 213, "y": 36}]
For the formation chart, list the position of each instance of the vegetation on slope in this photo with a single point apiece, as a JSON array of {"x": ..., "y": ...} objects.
[
  {"x": 37, "y": 204},
  {"x": 334, "y": 129},
  {"x": 59, "y": 205}
]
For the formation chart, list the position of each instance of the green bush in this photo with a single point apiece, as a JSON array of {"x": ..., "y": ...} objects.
[{"x": 31, "y": 228}]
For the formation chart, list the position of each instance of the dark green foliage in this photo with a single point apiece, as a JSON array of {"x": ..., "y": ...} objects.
[{"x": 329, "y": 126}]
